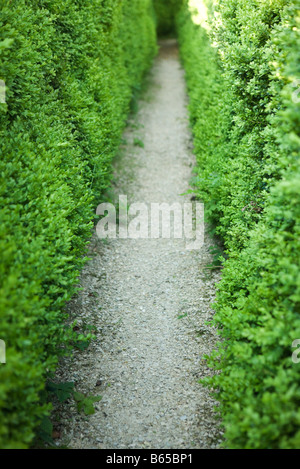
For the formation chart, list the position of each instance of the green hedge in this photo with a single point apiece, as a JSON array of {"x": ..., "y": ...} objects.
[
  {"x": 245, "y": 115},
  {"x": 71, "y": 69},
  {"x": 166, "y": 12}
]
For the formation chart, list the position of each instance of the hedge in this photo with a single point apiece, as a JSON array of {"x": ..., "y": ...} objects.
[
  {"x": 245, "y": 115},
  {"x": 71, "y": 69},
  {"x": 166, "y": 12}
]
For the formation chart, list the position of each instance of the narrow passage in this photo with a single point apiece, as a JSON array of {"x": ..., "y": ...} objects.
[{"x": 149, "y": 299}]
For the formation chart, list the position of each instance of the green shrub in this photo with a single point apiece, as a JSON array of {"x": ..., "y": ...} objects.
[
  {"x": 166, "y": 12},
  {"x": 71, "y": 69},
  {"x": 247, "y": 146}
]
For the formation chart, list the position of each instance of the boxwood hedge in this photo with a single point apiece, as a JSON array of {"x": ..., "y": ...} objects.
[
  {"x": 165, "y": 13},
  {"x": 244, "y": 110},
  {"x": 70, "y": 70}
]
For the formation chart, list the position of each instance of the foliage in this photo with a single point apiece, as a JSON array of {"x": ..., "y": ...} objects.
[
  {"x": 86, "y": 403},
  {"x": 166, "y": 12},
  {"x": 66, "y": 391},
  {"x": 246, "y": 124},
  {"x": 62, "y": 392},
  {"x": 71, "y": 69}
]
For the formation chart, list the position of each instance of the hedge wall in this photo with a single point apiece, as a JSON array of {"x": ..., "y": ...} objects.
[
  {"x": 166, "y": 12},
  {"x": 245, "y": 114},
  {"x": 70, "y": 70}
]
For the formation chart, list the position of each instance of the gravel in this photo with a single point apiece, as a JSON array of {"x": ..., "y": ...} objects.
[{"x": 149, "y": 300}]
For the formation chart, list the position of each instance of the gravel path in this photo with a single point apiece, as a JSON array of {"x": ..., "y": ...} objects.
[{"x": 149, "y": 299}]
